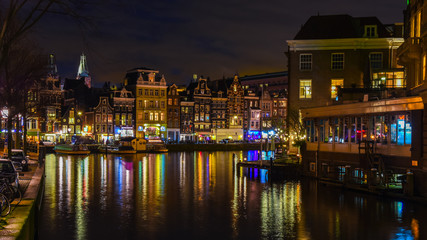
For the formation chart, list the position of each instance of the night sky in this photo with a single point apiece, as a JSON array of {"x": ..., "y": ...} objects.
[{"x": 181, "y": 38}]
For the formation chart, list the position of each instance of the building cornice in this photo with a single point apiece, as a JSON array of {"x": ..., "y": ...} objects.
[
  {"x": 362, "y": 108},
  {"x": 344, "y": 44}
]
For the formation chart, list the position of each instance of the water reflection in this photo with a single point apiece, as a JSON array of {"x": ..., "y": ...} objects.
[{"x": 204, "y": 195}]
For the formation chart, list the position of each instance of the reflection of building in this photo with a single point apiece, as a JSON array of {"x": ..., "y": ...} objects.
[
  {"x": 123, "y": 104},
  {"x": 173, "y": 115},
  {"x": 149, "y": 88}
]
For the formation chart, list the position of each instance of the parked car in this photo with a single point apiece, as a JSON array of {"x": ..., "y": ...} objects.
[
  {"x": 18, "y": 156},
  {"x": 8, "y": 171}
]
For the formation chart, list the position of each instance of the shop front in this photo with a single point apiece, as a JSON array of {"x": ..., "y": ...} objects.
[
  {"x": 121, "y": 132},
  {"x": 153, "y": 131}
]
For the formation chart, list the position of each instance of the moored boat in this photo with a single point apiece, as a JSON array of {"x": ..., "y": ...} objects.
[
  {"x": 156, "y": 145},
  {"x": 75, "y": 149},
  {"x": 113, "y": 149}
]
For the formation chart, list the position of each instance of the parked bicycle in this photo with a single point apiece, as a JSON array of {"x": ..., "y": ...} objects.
[
  {"x": 10, "y": 191},
  {"x": 4, "y": 205}
]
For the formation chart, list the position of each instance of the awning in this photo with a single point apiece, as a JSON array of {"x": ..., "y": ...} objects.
[{"x": 33, "y": 133}]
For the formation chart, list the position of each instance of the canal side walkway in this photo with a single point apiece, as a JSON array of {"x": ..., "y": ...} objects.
[{"x": 21, "y": 223}]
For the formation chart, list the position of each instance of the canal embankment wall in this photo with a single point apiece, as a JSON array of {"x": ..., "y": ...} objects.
[
  {"x": 22, "y": 222},
  {"x": 213, "y": 147}
]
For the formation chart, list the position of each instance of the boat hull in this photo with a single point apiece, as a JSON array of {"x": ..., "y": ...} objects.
[
  {"x": 71, "y": 152},
  {"x": 121, "y": 151}
]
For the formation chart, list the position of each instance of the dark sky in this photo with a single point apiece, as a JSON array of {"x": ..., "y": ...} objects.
[{"x": 181, "y": 38}]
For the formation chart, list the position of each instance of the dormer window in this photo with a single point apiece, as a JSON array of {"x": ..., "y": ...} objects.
[{"x": 371, "y": 31}]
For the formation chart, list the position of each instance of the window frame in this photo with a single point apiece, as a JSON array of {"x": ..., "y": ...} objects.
[
  {"x": 301, "y": 86},
  {"x": 332, "y": 86},
  {"x": 337, "y": 62},
  {"x": 301, "y": 62},
  {"x": 370, "y": 59}
]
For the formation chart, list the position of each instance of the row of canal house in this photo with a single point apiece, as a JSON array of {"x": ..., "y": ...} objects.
[
  {"x": 213, "y": 110},
  {"x": 361, "y": 94},
  {"x": 146, "y": 107}
]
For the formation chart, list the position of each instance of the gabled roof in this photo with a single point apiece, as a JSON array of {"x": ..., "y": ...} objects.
[
  {"x": 339, "y": 26},
  {"x": 135, "y": 73}
]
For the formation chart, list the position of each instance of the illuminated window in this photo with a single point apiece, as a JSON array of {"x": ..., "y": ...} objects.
[
  {"x": 418, "y": 25},
  {"x": 412, "y": 33},
  {"x": 424, "y": 67},
  {"x": 371, "y": 31},
  {"x": 305, "y": 88},
  {"x": 376, "y": 60},
  {"x": 156, "y": 117},
  {"x": 71, "y": 118},
  {"x": 337, "y": 61},
  {"x": 161, "y": 116},
  {"x": 305, "y": 61},
  {"x": 151, "y": 116},
  {"x": 170, "y": 101},
  {"x": 335, "y": 83}
]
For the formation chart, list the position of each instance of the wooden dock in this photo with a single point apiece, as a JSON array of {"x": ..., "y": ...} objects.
[{"x": 285, "y": 169}]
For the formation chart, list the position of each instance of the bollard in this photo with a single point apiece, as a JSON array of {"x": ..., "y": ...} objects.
[{"x": 409, "y": 186}]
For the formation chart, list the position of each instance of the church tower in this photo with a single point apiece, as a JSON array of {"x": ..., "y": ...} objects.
[{"x": 83, "y": 71}]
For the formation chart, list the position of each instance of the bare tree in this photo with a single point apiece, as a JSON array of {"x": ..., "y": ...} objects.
[
  {"x": 23, "y": 68},
  {"x": 295, "y": 131},
  {"x": 20, "y": 66}
]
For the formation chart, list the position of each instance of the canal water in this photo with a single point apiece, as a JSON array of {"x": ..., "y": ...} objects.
[{"x": 203, "y": 195}]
